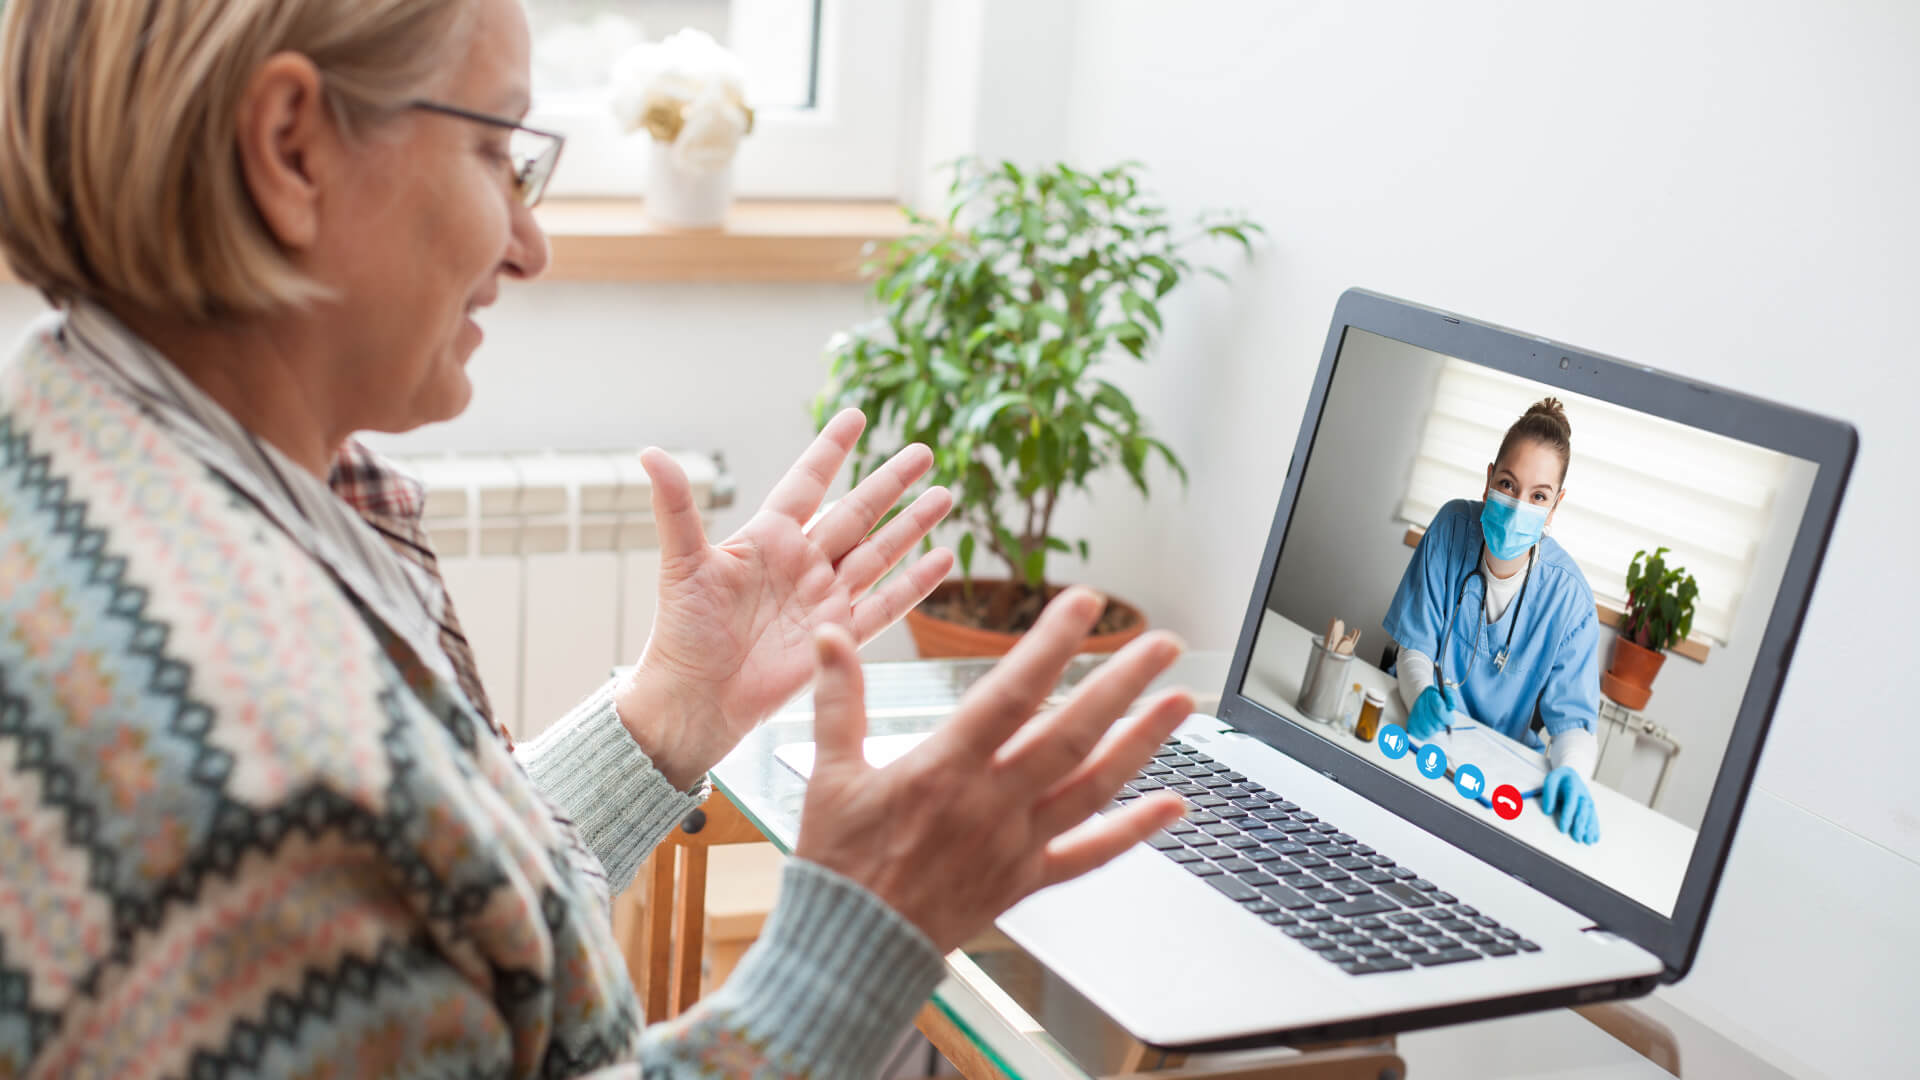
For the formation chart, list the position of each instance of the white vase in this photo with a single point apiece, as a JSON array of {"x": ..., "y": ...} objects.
[{"x": 685, "y": 198}]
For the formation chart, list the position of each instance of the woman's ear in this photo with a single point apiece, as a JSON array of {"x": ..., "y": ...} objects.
[
  {"x": 284, "y": 129},
  {"x": 1557, "y": 500},
  {"x": 1489, "y": 487}
]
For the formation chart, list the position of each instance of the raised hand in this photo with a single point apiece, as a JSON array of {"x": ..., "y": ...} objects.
[
  {"x": 990, "y": 807},
  {"x": 733, "y": 637}
]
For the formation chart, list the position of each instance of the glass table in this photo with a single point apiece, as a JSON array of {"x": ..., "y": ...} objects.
[{"x": 1008, "y": 1016}]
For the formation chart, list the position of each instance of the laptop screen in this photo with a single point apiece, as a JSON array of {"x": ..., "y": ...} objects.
[{"x": 1558, "y": 603}]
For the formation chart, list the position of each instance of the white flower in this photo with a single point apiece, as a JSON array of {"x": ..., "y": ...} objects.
[
  {"x": 712, "y": 126},
  {"x": 688, "y": 91}
]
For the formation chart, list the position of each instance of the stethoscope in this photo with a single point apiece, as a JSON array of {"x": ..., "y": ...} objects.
[{"x": 1473, "y": 654}]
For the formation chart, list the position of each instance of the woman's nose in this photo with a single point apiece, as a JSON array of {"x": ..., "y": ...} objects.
[{"x": 529, "y": 253}]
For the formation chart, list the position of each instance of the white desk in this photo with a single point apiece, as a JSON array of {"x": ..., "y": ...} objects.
[{"x": 1641, "y": 853}]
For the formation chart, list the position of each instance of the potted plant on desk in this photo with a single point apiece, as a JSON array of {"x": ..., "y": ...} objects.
[
  {"x": 997, "y": 325},
  {"x": 1660, "y": 603}
]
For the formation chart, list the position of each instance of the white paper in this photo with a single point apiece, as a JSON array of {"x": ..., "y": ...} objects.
[
  {"x": 880, "y": 750},
  {"x": 1500, "y": 759}
]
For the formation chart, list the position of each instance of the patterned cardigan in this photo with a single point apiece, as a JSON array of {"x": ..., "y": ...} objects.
[{"x": 246, "y": 831}]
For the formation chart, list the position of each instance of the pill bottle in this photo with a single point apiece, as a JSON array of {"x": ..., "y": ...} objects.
[{"x": 1368, "y": 726}]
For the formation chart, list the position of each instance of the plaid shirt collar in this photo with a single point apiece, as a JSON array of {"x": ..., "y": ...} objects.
[{"x": 392, "y": 503}]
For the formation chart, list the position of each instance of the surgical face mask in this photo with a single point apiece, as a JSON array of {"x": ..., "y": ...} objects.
[{"x": 1510, "y": 527}]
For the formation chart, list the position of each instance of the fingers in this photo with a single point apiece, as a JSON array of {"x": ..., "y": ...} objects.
[
  {"x": 674, "y": 514},
  {"x": 1089, "y": 787},
  {"x": 1006, "y": 697},
  {"x": 799, "y": 493},
  {"x": 1586, "y": 824},
  {"x": 839, "y": 699},
  {"x": 869, "y": 562},
  {"x": 853, "y": 517},
  {"x": 1567, "y": 809},
  {"x": 1044, "y": 752},
  {"x": 1097, "y": 842},
  {"x": 890, "y": 604}
]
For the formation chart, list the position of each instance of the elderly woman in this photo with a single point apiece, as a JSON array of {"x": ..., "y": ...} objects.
[{"x": 254, "y": 818}]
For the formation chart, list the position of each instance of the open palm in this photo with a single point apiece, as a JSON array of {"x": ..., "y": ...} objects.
[{"x": 736, "y": 619}]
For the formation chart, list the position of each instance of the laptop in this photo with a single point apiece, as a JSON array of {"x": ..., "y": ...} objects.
[{"x": 1326, "y": 887}]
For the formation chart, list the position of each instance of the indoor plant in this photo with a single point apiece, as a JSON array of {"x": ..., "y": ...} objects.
[
  {"x": 996, "y": 325},
  {"x": 1660, "y": 602},
  {"x": 689, "y": 94}
]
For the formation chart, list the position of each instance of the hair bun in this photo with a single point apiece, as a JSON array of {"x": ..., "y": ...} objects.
[{"x": 1552, "y": 409}]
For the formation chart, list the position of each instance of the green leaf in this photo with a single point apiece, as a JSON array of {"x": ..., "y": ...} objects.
[
  {"x": 1166, "y": 453},
  {"x": 1085, "y": 552},
  {"x": 988, "y": 411},
  {"x": 964, "y": 554},
  {"x": 1049, "y": 313},
  {"x": 1036, "y": 566},
  {"x": 1010, "y": 546},
  {"x": 1233, "y": 232},
  {"x": 1139, "y": 307}
]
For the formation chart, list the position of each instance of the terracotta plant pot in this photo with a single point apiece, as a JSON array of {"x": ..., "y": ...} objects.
[
  {"x": 1629, "y": 680},
  {"x": 938, "y": 638}
]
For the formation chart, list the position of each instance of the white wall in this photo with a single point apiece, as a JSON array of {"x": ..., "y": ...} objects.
[{"x": 1720, "y": 189}]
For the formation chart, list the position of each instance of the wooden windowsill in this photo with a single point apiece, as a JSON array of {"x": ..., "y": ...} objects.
[
  {"x": 763, "y": 241},
  {"x": 1694, "y": 648}
]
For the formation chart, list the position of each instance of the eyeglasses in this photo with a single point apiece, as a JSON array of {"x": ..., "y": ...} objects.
[{"x": 533, "y": 152}]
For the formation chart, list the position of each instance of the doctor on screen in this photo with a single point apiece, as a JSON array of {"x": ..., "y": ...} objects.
[{"x": 1496, "y": 623}]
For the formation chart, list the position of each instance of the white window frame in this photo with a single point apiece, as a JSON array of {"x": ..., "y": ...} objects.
[{"x": 850, "y": 145}]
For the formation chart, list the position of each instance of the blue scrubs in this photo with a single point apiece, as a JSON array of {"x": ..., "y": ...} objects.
[{"x": 1554, "y": 669}]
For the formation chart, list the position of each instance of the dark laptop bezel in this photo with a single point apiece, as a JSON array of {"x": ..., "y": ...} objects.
[{"x": 1830, "y": 444}]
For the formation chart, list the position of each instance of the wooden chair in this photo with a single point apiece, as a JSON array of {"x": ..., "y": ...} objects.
[{"x": 661, "y": 920}]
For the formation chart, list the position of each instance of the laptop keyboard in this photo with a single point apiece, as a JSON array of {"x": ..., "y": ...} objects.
[{"x": 1356, "y": 908}]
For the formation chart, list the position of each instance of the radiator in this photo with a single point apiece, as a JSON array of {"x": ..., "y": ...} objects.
[{"x": 552, "y": 561}]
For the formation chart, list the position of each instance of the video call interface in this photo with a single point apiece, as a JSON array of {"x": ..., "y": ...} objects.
[{"x": 1450, "y": 613}]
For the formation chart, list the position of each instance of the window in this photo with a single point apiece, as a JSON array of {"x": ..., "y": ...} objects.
[
  {"x": 1636, "y": 482},
  {"x": 826, "y": 80}
]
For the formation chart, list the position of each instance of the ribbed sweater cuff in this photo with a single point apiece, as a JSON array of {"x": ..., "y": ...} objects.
[
  {"x": 835, "y": 977},
  {"x": 590, "y": 767}
]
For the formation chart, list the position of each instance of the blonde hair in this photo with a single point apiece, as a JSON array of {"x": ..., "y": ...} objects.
[{"x": 120, "y": 178}]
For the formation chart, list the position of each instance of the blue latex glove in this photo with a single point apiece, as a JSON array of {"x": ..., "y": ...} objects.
[
  {"x": 1565, "y": 796},
  {"x": 1432, "y": 712}
]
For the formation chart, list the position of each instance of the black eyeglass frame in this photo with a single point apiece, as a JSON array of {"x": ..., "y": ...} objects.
[{"x": 530, "y": 178}]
